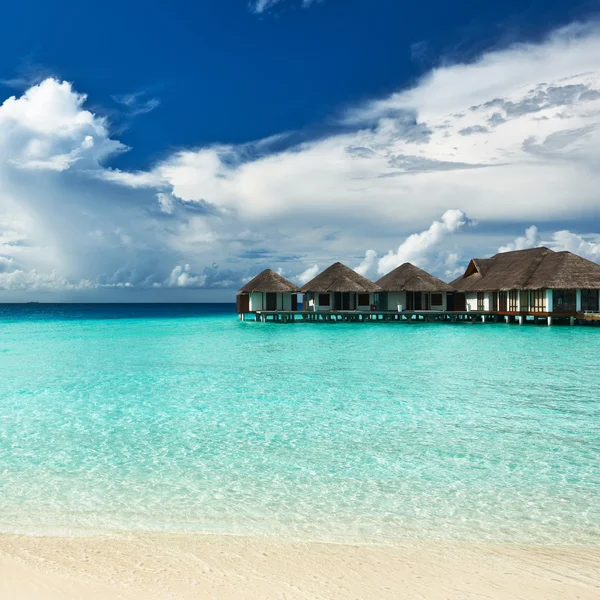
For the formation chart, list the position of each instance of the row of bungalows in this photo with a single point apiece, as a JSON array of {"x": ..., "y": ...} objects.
[
  {"x": 536, "y": 281},
  {"x": 339, "y": 288}
]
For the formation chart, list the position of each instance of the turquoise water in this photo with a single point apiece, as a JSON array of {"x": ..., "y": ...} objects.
[{"x": 185, "y": 419}]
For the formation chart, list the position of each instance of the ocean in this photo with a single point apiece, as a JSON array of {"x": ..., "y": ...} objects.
[{"x": 180, "y": 418}]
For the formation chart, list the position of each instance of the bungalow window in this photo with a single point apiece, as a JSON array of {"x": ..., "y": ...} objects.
[
  {"x": 524, "y": 301},
  {"x": 494, "y": 301},
  {"x": 480, "y": 298},
  {"x": 324, "y": 300},
  {"x": 502, "y": 302},
  {"x": 538, "y": 300},
  {"x": 565, "y": 300},
  {"x": 589, "y": 301},
  {"x": 364, "y": 300},
  {"x": 513, "y": 296},
  {"x": 436, "y": 300}
]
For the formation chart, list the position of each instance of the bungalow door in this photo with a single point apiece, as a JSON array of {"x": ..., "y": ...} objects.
[
  {"x": 345, "y": 300},
  {"x": 382, "y": 302},
  {"x": 459, "y": 302},
  {"x": 418, "y": 301},
  {"x": 271, "y": 301},
  {"x": 589, "y": 301},
  {"x": 337, "y": 301}
]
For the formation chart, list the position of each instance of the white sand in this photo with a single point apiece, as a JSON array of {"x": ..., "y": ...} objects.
[{"x": 172, "y": 567}]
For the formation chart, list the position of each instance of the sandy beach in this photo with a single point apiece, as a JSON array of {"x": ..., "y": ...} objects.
[{"x": 173, "y": 567}]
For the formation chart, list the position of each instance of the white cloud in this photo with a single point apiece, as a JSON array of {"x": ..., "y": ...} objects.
[
  {"x": 423, "y": 249},
  {"x": 567, "y": 56},
  {"x": 263, "y": 5},
  {"x": 368, "y": 265},
  {"x": 183, "y": 276},
  {"x": 452, "y": 266},
  {"x": 19, "y": 280},
  {"x": 586, "y": 245},
  {"x": 307, "y": 275},
  {"x": 409, "y": 157},
  {"x": 260, "y": 6},
  {"x": 133, "y": 179},
  {"x": 508, "y": 138},
  {"x": 47, "y": 128},
  {"x": 137, "y": 103},
  {"x": 573, "y": 242},
  {"x": 166, "y": 203},
  {"x": 531, "y": 239},
  {"x": 62, "y": 226},
  {"x": 419, "y": 247}
]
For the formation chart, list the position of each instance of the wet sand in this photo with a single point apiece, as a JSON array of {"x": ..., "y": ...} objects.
[{"x": 196, "y": 567}]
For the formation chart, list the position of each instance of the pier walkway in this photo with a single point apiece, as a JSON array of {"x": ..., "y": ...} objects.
[
  {"x": 356, "y": 316},
  {"x": 408, "y": 316}
]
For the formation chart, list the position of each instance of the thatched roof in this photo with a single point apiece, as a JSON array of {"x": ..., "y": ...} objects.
[
  {"x": 269, "y": 281},
  {"x": 408, "y": 278},
  {"x": 565, "y": 270},
  {"x": 340, "y": 278},
  {"x": 532, "y": 269},
  {"x": 482, "y": 264}
]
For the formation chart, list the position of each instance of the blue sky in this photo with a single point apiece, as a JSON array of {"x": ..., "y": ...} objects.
[
  {"x": 169, "y": 152},
  {"x": 223, "y": 73}
]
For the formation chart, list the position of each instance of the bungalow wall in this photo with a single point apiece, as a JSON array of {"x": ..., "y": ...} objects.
[
  {"x": 471, "y": 300},
  {"x": 481, "y": 301},
  {"x": 393, "y": 299},
  {"x": 323, "y": 301},
  {"x": 361, "y": 301},
  {"x": 535, "y": 301},
  {"x": 258, "y": 301},
  {"x": 286, "y": 301},
  {"x": 326, "y": 301},
  {"x": 438, "y": 301}
]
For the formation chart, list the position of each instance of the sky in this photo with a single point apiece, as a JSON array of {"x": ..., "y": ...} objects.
[{"x": 156, "y": 153}]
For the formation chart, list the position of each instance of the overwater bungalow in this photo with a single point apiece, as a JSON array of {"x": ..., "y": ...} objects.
[
  {"x": 339, "y": 288},
  {"x": 267, "y": 291},
  {"x": 409, "y": 288},
  {"x": 537, "y": 281}
]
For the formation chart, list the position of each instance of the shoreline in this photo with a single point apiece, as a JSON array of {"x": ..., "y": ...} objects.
[{"x": 182, "y": 566}]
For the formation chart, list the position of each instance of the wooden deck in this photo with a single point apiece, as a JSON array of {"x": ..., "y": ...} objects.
[
  {"x": 591, "y": 317},
  {"x": 422, "y": 316}
]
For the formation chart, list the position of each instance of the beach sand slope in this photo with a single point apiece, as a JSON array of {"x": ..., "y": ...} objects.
[{"x": 224, "y": 567}]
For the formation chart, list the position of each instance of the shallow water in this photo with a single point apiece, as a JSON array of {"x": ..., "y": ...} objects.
[{"x": 182, "y": 418}]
